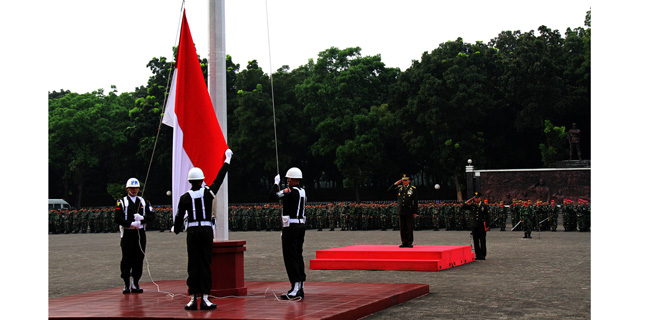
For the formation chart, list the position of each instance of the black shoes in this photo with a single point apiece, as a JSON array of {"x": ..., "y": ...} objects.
[
  {"x": 135, "y": 288},
  {"x": 406, "y": 246},
  {"x": 205, "y": 304},
  {"x": 192, "y": 304},
  {"x": 295, "y": 292},
  {"x": 131, "y": 287}
]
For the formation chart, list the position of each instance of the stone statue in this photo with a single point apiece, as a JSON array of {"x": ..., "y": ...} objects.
[
  {"x": 542, "y": 192},
  {"x": 574, "y": 141}
]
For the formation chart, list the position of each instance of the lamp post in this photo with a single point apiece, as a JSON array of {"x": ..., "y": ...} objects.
[{"x": 469, "y": 171}]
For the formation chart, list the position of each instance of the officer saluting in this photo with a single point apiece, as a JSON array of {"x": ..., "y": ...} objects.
[
  {"x": 132, "y": 213},
  {"x": 407, "y": 208},
  {"x": 477, "y": 221},
  {"x": 197, "y": 205},
  {"x": 293, "y": 230}
]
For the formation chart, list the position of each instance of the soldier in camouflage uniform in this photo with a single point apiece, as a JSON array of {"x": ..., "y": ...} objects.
[
  {"x": 569, "y": 216},
  {"x": 583, "y": 213},
  {"x": 451, "y": 218},
  {"x": 320, "y": 217},
  {"x": 503, "y": 215},
  {"x": 515, "y": 215},
  {"x": 527, "y": 213},
  {"x": 83, "y": 222},
  {"x": 435, "y": 216},
  {"x": 541, "y": 214},
  {"x": 552, "y": 214},
  {"x": 331, "y": 216},
  {"x": 51, "y": 226}
]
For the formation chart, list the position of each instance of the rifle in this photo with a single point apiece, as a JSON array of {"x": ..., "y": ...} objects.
[
  {"x": 515, "y": 227},
  {"x": 547, "y": 219}
]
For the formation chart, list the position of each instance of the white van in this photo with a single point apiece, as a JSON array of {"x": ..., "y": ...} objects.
[{"x": 58, "y": 204}]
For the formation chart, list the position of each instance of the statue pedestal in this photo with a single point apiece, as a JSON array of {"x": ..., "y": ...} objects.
[{"x": 228, "y": 268}]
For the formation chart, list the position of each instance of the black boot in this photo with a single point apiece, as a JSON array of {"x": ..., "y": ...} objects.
[
  {"x": 295, "y": 292},
  {"x": 192, "y": 304},
  {"x": 127, "y": 287},
  {"x": 135, "y": 288},
  {"x": 206, "y": 304}
]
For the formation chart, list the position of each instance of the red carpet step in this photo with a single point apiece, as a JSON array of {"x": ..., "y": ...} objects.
[
  {"x": 392, "y": 257},
  {"x": 323, "y": 300}
]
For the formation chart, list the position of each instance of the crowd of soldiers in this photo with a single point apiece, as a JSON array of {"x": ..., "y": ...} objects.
[
  {"x": 100, "y": 220},
  {"x": 346, "y": 216}
]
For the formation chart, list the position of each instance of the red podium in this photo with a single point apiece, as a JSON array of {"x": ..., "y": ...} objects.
[{"x": 228, "y": 268}]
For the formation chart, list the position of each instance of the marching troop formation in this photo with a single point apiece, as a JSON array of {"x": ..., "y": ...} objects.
[{"x": 433, "y": 215}]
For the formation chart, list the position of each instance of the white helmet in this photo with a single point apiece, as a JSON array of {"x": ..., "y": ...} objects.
[
  {"x": 294, "y": 173},
  {"x": 195, "y": 174},
  {"x": 133, "y": 183}
]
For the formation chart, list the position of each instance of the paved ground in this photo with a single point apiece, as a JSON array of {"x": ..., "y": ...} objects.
[{"x": 546, "y": 277}]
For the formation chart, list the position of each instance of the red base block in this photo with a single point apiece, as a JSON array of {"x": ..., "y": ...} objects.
[
  {"x": 392, "y": 257},
  {"x": 228, "y": 268}
]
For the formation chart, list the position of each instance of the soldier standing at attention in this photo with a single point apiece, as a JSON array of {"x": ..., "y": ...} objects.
[
  {"x": 407, "y": 209},
  {"x": 132, "y": 214},
  {"x": 293, "y": 200},
  {"x": 478, "y": 215},
  {"x": 197, "y": 204}
]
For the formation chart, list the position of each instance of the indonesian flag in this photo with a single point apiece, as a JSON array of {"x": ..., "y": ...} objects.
[{"x": 198, "y": 140}]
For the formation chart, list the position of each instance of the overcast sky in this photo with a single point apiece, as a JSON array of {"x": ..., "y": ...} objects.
[{"x": 96, "y": 44}]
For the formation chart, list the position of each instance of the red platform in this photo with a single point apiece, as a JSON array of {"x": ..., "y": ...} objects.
[
  {"x": 323, "y": 300},
  {"x": 392, "y": 257}
]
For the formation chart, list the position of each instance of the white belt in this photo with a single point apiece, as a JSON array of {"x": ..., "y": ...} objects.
[
  {"x": 296, "y": 220},
  {"x": 200, "y": 223}
]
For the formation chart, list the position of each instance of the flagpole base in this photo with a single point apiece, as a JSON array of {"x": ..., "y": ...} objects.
[{"x": 228, "y": 268}]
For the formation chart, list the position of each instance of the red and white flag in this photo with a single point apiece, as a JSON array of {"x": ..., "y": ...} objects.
[{"x": 198, "y": 139}]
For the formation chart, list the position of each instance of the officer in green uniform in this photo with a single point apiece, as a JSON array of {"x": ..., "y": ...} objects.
[
  {"x": 407, "y": 208},
  {"x": 478, "y": 215}
]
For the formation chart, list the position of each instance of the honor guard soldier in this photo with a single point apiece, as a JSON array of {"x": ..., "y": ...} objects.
[
  {"x": 132, "y": 214},
  {"x": 293, "y": 199},
  {"x": 478, "y": 216},
  {"x": 407, "y": 208},
  {"x": 197, "y": 205}
]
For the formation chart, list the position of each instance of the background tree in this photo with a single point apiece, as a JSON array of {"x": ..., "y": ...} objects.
[
  {"x": 86, "y": 132},
  {"x": 343, "y": 85},
  {"x": 346, "y": 120}
]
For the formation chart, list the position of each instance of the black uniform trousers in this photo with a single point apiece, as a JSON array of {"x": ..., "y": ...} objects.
[
  {"x": 478, "y": 235},
  {"x": 406, "y": 223},
  {"x": 199, "y": 254},
  {"x": 132, "y": 254},
  {"x": 293, "y": 238}
]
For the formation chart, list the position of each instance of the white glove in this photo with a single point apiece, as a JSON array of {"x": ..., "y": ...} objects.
[
  {"x": 228, "y": 156},
  {"x": 138, "y": 217},
  {"x": 277, "y": 179},
  {"x": 135, "y": 224}
]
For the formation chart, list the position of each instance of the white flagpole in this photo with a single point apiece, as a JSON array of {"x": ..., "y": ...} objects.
[{"x": 217, "y": 89}]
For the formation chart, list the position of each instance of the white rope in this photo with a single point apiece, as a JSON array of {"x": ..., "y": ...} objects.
[{"x": 275, "y": 131}]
